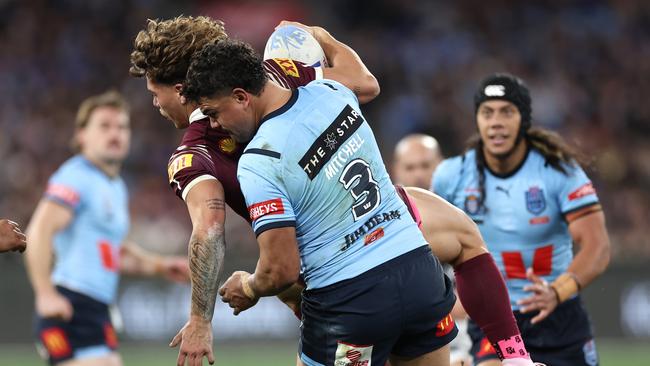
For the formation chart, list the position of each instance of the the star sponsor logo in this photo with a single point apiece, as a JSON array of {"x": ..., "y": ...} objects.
[
  {"x": 325, "y": 147},
  {"x": 330, "y": 141}
]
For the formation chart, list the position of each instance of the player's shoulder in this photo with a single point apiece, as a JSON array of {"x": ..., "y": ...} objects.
[
  {"x": 454, "y": 166},
  {"x": 327, "y": 86},
  {"x": 277, "y": 127},
  {"x": 73, "y": 168},
  {"x": 450, "y": 172},
  {"x": 290, "y": 73},
  {"x": 537, "y": 161}
]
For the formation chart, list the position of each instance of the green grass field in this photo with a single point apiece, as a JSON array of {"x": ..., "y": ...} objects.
[{"x": 612, "y": 353}]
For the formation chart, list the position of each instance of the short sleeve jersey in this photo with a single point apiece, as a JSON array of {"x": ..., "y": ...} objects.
[
  {"x": 87, "y": 250},
  {"x": 522, "y": 221},
  {"x": 314, "y": 164},
  {"x": 210, "y": 153}
]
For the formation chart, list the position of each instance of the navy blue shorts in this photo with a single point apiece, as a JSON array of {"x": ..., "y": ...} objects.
[
  {"x": 400, "y": 307},
  {"x": 565, "y": 338},
  {"x": 89, "y": 333}
]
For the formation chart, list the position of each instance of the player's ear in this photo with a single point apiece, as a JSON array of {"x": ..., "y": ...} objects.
[
  {"x": 240, "y": 95},
  {"x": 78, "y": 139},
  {"x": 178, "y": 87}
]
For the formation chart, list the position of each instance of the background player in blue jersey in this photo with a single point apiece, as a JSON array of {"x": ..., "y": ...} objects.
[
  {"x": 524, "y": 187},
  {"x": 11, "y": 237},
  {"x": 322, "y": 205},
  {"x": 77, "y": 247}
]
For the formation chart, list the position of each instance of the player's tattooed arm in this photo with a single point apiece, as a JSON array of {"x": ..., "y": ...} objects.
[
  {"x": 216, "y": 204},
  {"x": 207, "y": 246},
  {"x": 207, "y": 254}
]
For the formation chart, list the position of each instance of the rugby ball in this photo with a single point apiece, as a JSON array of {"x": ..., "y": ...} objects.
[{"x": 297, "y": 44}]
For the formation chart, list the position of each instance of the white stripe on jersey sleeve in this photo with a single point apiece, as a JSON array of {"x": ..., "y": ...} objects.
[
  {"x": 319, "y": 73},
  {"x": 194, "y": 182}
]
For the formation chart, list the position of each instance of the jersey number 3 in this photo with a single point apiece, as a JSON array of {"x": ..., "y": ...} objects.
[{"x": 357, "y": 178}]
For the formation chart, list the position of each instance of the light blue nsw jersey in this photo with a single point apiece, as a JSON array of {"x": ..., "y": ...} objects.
[
  {"x": 87, "y": 250},
  {"x": 523, "y": 223},
  {"x": 314, "y": 164}
]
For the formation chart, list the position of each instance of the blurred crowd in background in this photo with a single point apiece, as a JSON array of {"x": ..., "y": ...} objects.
[{"x": 586, "y": 63}]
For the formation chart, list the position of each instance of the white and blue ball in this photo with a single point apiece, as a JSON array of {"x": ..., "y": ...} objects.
[{"x": 297, "y": 44}]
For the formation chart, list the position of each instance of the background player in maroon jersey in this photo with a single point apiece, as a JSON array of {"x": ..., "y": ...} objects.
[
  {"x": 11, "y": 238},
  {"x": 203, "y": 170}
]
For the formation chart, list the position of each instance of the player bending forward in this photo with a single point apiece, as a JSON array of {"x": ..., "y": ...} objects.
[{"x": 309, "y": 208}]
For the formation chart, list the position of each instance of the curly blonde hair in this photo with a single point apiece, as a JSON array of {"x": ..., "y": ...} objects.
[{"x": 162, "y": 52}]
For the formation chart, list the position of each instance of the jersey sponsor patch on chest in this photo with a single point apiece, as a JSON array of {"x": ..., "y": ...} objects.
[
  {"x": 270, "y": 207},
  {"x": 179, "y": 163},
  {"x": 329, "y": 142},
  {"x": 535, "y": 201}
]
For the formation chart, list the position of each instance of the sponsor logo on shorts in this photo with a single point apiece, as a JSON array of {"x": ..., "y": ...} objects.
[
  {"x": 288, "y": 66},
  {"x": 270, "y": 207},
  {"x": 369, "y": 225},
  {"x": 179, "y": 163},
  {"x": 56, "y": 342},
  {"x": 227, "y": 145},
  {"x": 591, "y": 355},
  {"x": 353, "y": 355},
  {"x": 535, "y": 201},
  {"x": 584, "y": 190},
  {"x": 109, "y": 336},
  {"x": 445, "y": 326},
  {"x": 329, "y": 142}
]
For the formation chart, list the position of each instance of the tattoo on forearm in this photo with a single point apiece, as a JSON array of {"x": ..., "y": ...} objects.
[
  {"x": 216, "y": 204},
  {"x": 206, "y": 262}
]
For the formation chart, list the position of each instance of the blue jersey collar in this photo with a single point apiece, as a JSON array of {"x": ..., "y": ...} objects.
[
  {"x": 513, "y": 171},
  {"x": 292, "y": 100}
]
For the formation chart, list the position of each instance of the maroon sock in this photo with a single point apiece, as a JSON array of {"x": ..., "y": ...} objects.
[{"x": 483, "y": 293}]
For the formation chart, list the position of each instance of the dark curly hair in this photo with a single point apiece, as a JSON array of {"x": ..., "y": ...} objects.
[{"x": 219, "y": 68}]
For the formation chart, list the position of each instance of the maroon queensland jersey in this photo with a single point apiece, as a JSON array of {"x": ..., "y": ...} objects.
[{"x": 210, "y": 153}]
